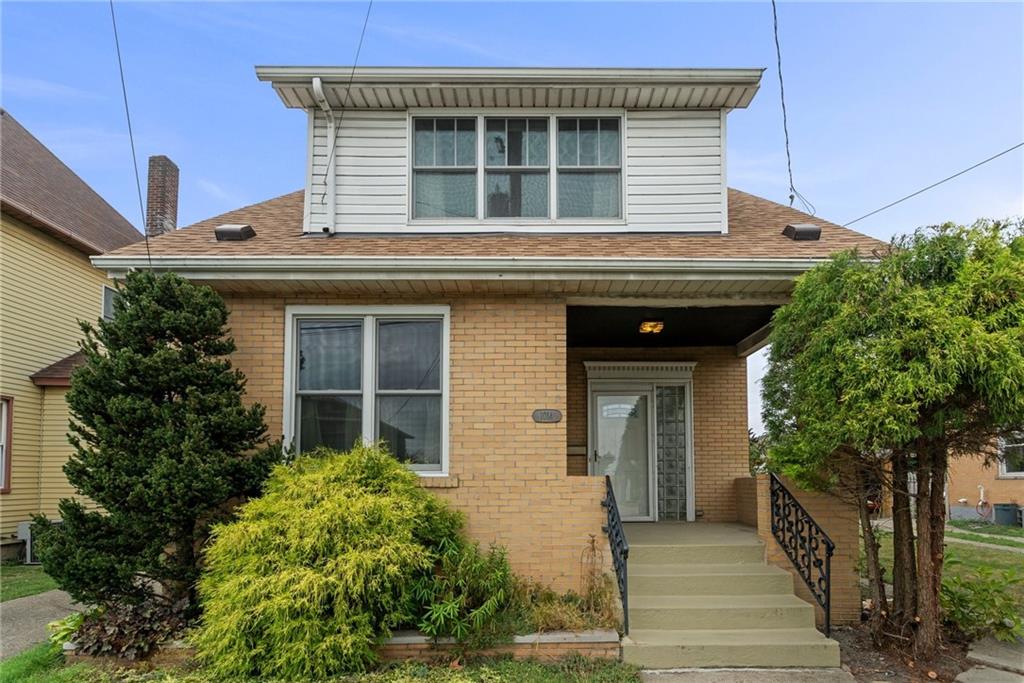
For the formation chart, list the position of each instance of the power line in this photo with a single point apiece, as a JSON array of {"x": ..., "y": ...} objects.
[
  {"x": 793, "y": 192},
  {"x": 131, "y": 136},
  {"x": 925, "y": 189},
  {"x": 344, "y": 103}
]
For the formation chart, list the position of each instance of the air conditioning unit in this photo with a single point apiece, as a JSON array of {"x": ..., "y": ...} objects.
[{"x": 25, "y": 534}]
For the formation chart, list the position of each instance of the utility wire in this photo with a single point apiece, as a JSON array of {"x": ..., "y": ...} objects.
[
  {"x": 793, "y": 192},
  {"x": 344, "y": 103},
  {"x": 925, "y": 189},
  {"x": 131, "y": 136}
]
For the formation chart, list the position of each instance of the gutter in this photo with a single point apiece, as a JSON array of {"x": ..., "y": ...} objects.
[
  {"x": 330, "y": 177},
  {"x": 473, "y": 268}
]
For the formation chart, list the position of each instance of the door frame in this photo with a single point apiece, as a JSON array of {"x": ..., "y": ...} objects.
[
  {"x": 603, "y": 376},
  {"x": 611, "y": 389}
]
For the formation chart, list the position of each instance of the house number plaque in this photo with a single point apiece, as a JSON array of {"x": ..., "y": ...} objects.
[{"x": 547, "y": 415}]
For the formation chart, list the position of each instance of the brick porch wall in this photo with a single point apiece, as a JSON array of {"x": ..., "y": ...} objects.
[
  {"x": 507, "y": 473},
  {"x": 720, "y": 442}
]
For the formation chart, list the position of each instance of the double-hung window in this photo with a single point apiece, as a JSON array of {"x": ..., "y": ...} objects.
[
  {"x": 444, "y": 168},
  {"x": 6, "y": 418},
  {"x": 1011, "y": 456},
  {"x": 589, "y": 168},
  {"x": 510, "y": 176},
  {"x": 109, "y": 295},
  {"x": 517, "y": 168},
  {"x": 377, "y": 375}
]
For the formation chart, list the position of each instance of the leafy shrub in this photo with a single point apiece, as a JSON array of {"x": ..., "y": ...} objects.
[
  {"x": 467, "y": 594},
  {"x": 62, "y": 630},
  {"x": 321, "y": 568},
  {"x": 982, "y": 605},
  {"x": 131, "y": 630}
]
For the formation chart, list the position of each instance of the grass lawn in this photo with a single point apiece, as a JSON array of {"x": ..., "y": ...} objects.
[
  {"x": 992, "y": 540},
  {"x": 41, "y": 664},
  {"x": 969, "y": 558},
  {"x": 987, "y": 528},
  {"x": 19, "y": 580}
]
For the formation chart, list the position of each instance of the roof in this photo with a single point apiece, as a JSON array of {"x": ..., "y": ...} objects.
[
  {"x": 59, "y": 374},
  {"x": 388, "y": 87},
  {"x": 755, "y": 232},
  {"x": 39, "y": 189}
]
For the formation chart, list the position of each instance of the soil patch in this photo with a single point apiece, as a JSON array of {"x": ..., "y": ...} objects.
[{"x": 868, "y": 663}]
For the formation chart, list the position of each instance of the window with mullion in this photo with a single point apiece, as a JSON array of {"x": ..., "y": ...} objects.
[
  {"x": 516, "y": 168},
  {"x": 1011, "y": 456},
  {"x": 589, "y": 168},
  {"x": 444, "y": 168},
  {"x": 329, "y": 391}
]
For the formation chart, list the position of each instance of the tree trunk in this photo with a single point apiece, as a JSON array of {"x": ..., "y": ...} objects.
[
  {"x": 876, "y": 581},
  {"x": 904, "y": 571},
  {"x": 931, "y": 520}
]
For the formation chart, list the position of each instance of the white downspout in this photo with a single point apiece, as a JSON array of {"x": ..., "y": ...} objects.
[{"x": 330, "y": 178}]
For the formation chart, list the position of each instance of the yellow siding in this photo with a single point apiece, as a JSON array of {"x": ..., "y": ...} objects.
[{"x": 45, "y": 288}]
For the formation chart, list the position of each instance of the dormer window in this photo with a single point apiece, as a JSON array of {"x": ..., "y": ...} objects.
[{"x": 540, "y": 167}]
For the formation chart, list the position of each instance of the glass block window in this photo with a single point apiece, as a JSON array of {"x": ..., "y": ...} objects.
[
  {"x": 444, "y": 168},
  {"x": 671, "y": 440},
  {"x": 589, "y": 168}
]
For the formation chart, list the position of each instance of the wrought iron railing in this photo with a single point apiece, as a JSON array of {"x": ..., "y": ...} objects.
[
  {"x": 805, "y": 543},
  {"x": 619, "y": 546}
]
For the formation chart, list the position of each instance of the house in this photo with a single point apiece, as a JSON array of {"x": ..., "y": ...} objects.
[
  {"x": 51, "y": 222},
  {"x": 540, "y": 277},
  {"x": 998, "y": 482}
]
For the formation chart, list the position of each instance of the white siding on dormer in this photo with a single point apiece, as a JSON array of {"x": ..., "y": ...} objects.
[
  {"x": 675, "y": 171},
  {"x": 371, "y": 170}
]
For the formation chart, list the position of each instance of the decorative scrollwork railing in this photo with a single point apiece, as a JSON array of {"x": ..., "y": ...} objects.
[
  {"x": 619, "y": 547},
  {"x": 805, "y": 543}
]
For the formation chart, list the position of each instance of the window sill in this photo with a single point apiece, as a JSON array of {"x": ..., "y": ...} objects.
[
  {"x": 439, "y": 481},
  {"x": 1011, "y": 475}
]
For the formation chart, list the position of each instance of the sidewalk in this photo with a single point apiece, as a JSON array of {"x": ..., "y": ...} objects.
[
  {"x": 23, "y": 620},
  {"x": 885, "y": 524}
]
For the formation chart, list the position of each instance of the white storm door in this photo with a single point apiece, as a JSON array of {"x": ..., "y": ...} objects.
[{"x": 622, "y": 447}]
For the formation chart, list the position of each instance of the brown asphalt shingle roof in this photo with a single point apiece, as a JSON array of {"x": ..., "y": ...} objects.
[
  {"x": 755, "y": 231},
  {"x": 37, "y": 188},
  {"x": 58, "y": 374}
]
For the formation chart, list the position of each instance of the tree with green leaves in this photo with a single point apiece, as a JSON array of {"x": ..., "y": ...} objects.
[
  {"x": 892, "y": 364},
  {"x": 163, "y": 445}
]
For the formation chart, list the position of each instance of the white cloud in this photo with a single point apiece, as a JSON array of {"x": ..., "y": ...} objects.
[
  {"x": 38, "y": 88},
  {"x": 220, "y": 193}
]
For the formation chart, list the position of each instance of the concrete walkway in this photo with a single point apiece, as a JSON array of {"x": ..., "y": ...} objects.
[
  {"x": 748, "y": 676},
  {"x": 885, "y": 524},
  {"x": 23, "y": 620}
]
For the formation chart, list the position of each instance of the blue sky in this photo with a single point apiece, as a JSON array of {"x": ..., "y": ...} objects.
[{"x": 883, "y": 98}]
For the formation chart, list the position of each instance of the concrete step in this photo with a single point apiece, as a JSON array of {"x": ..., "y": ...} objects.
[
  {"x": 715, "y": 612},
  {"x": 671, "y": 649},
  {"x": 709, "y": 579},
  {"x": 711, "y": 553}
]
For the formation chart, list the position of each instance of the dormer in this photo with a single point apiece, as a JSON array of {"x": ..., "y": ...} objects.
[{"x": 470, "y": 150}]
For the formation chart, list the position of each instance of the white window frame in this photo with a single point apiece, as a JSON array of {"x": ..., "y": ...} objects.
[
  {"x": 6, "y": 436},
  {"x": 1003, "y": 472},
  {"x": 369, "y": 315},
  {"x": 103, "y": 302},
  {"x": 552, "y": 114}
]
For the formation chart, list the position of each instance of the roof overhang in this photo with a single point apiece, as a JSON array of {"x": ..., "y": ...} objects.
[
  {"x": 457, "y": 268},
  {"x": 413, "y": 87}
]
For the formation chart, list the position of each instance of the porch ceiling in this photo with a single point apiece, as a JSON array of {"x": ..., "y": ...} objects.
[{"x": 618, "y": 326}]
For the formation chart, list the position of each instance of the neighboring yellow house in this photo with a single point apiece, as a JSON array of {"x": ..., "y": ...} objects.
[
  {"x": 999, "y": 481},
  {"x": 51, "y": 222}
]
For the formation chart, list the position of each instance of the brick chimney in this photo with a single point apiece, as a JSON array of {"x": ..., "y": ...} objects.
[{"x": 161, "y": 196}]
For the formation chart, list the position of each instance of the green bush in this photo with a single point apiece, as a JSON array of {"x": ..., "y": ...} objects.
[
  {"x": 981, "y": 605},
  {"x": 317, "y": 571}
]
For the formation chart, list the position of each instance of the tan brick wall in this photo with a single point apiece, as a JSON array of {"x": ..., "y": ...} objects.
[
  {"x": 746, "y": 501},
  {"x": 506, "y": 472},
  {"x": 967, "y": 473},
  {"x": 840, "y": 522},
  {"x": 719, "y": 418}
]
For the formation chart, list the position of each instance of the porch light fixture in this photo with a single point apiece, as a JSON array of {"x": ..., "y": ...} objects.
[{"x": 651, "y": 326}]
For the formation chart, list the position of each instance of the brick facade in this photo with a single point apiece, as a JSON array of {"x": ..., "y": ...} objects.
[
  {"x": 507, "y": 473},
  {"x": 719, "y": 419}
]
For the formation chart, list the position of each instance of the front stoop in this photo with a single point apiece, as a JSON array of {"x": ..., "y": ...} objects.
[{"x": 703, "y": 596}]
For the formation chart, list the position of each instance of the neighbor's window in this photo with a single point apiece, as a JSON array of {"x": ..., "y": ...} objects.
[
  {"x": 109, "y": 294},
  {"x": 589, "y": 168},
  {"x": 1011, "y": 457},
  {"x": 6, "y": 406},
  {"x": 516, "y": 168},
  {"x": 378, "y": 377},
  {"x": 444, "y": 168}
]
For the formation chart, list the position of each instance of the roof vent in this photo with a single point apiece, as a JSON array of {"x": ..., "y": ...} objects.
[
  {"x": 801, "y": 232},
  {"x": 233, "y": 232}
]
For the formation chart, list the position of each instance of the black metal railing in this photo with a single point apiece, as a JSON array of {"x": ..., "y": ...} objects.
[
  {"x": 619, "y": 546},
  {"x": 805, "y": 543}
]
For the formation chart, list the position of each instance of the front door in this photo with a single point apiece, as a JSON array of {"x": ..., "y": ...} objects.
[{"x": 622, "y": 447}]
